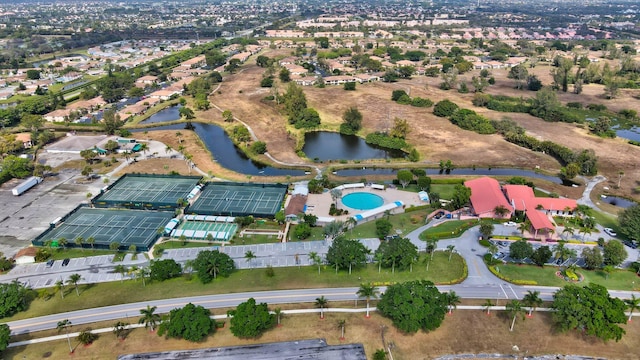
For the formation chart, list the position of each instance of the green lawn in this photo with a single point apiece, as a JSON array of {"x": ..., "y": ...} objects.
[
  {"x": 406, "y": 223},
  {"x": 448, "y": 229},
  {"x": 59, "y": 254},
  {"x": 188, "y": 244},
  {"x": 618, "y": 280},
  {"x": 317, "y": 233},
  {"x": 112, "y": 293},
  {"x": 445, "y": 191}
]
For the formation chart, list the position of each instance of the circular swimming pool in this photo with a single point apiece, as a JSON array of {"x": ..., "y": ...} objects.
[{"x": 362, "y": 201}]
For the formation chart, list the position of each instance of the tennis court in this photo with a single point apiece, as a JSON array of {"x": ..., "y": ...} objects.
[
  {"x": 127, "y": 227},
  {"x": 239, "y": 199},
  {"x": 201, "y": 229},
  {"x": 141, "y": 191}
]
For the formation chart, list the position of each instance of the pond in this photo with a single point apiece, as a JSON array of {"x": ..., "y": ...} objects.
[
  {"x": 632, "y": 133},
  {"x": 226, "y": 153},
  {"x": 617, "y": 201},
  {"x": 324, "y": 145},
  {"x": 461, "y": 171},
  {"x": 171, "y": 113}
]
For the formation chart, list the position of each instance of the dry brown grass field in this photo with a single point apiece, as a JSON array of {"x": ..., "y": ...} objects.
[
  {"x": 435, "y": 138},
  {"x": 465, "y": 331}
]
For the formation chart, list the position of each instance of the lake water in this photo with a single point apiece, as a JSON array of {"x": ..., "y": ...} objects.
[
  {"x": 226, "y": 153},
  {"x": 617, "y": 201},
  {"x": 171, "y": 113},
  {"x": 324, "y": 145}
]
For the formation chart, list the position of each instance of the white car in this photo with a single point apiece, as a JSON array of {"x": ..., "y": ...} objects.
[
  {"x": 610, "y": 232},
  {"x": 510, "y": 223}
]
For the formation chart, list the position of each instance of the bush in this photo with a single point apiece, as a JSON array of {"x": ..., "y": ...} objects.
[
  {"x": 259, "y": 147},
  {"x": 384, "y": 140},
  {"x": 421, "y": 102},
  {"x": 444, "y": 108},
  {"x": 574, "y": 105},
  {"x": 397, "y": 94},
  {"x": 86, "y": 337},
  {"x": 350, "y": 86}
]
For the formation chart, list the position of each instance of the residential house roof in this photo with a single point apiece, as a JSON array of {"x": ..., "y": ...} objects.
[{"x": 486, "y": 195}]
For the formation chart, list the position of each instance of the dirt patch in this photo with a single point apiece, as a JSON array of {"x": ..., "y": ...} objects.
[{"x": 465, "y": 331}]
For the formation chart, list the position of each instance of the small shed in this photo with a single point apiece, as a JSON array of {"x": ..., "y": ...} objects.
[{"x": 26, "y": 255}]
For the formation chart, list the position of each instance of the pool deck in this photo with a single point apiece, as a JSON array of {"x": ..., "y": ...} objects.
[{"x": 319, "y": 204}]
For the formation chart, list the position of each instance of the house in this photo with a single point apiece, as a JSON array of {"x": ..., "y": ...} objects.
[
  {"x": 146, "y": 80},
  {"x": 25, "y": 139},
  {"x": 164, "y": 94},
  {"x": 26, "y": 255},
  {"x": 57, "y": 115}
]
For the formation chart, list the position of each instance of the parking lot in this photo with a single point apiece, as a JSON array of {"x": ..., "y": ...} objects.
[{"x": 24, "y": 217}]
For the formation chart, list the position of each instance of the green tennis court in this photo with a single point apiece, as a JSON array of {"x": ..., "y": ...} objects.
[
  {"x": 141, "y": 191},
  {"x": 239, "y": 199},
  {"x": 106, "y": 226},
  {"x": 205, "y": 230}
]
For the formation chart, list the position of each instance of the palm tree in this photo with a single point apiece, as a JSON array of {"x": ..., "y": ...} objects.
[
  {"x": 249, "y": 256},
  {"x": 143, "y": 273},
  {"x": 514, "y": 308},
  {"x": 608, "y": 269},
  {"x": 351, "y": 222},
  {"x": 179, "y": 136},
  {"x": 452, "y": 300},
  {"x": 278, "y": 313},
  {"x": 493, "y": 249},
  {"x": 335, "y": 195},
  {"x": 450, "y": 250},
  {"x": 432, "y": 245},
  {"x": 64, "y": 325},
  {"x": 524, "y": 226},
  {"x": 120, "y": 329},
  {"x": 63, "y": 242},
  {"x": 569, "y": 231},
  {"x": 315, "y": 259},
  {"x": 73, "y": 279},
  {"x": 78, "y": 241},
  {"x": 500, "y": 211},
  {"x": 487, "y": 305},
  {"x": 378, "y": 258},
  {"x": 632, "y": 304},
  {"x": 368, "y": 291},
  {"x": 60, "y": 287},
  {"x": 532, "y": 300},
  {"x": 168, "y": 149},
  {"x": 321, "y": 302},
  {"x": 149, "y": 317},
  {"x": 91, "y": 241},
  {"x": 341, "y": 324},
  {"x": 563, "y": 253},
  {"x": 120, "y": 269},
  {"x": 585, "y": 231}
]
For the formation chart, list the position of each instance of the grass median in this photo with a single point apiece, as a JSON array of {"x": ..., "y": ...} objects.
[{"x": 441, "y": 270}]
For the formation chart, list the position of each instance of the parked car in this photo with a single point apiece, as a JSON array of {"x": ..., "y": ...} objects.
[
  {"x": 510, "y": 223},
  {"x": 65, "y": 262},
  {"x": 50, "y": 263},
  {"x": 610, "y": 232}
]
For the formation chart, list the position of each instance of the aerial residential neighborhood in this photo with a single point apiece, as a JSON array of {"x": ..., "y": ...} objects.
[{"x": 326, "y": 180}]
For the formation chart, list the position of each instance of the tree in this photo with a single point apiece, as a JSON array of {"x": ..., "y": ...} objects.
[
  {"x": 333, "y": 229},
  {"x": 568, "y": 230},
  {"x": 227, "y": 116},
  {"x": 397, "y": 252},
  {"x": 350, "y": 86},
  {"x": 461, "y": 196},
  {"x": 632, "y": 304},
  {"x": 414, "y": 305},
  {"x": 321, "y": 302},
  {"x": 114, "y": 246},
  {"x": 263, "y": 61},
  {"x": 514, "y": 308},
  {"x": 120, "y": 330},
  {"x": 520, "y": 250},
  {"x": 368, "y": 291},
  {"x": 486, "y": 229},
  {"x": 74, "y": 279},
  {"x": 424, "y": 183},
  {"x": 487, "y": 305},
  {"x": 259, "y": 147},
  {"x": 149, "y": 317},
  {"x": 5, "y": 336},
  {"x": 562, "y": 252},
  {"x": 161, "y": 270},
  {"x": 383, "y": 228},
  {"x": 278, "y": 313},
  {"x": 404, "y": 177},
  {"x": 592, "y": 258},
  {"x": 59, "y": 286},
  {"x": 532, "y": 300},
  {"x": 249, "y": 256},
  {"x": 315, "y": 259},
  {"x": 352, "y": 121},
  {"x": 86, "y": 337},
  {"x": 186, "y": 113},
  {"x": 15, "y": 298},
  {"x": 380, "y": 354},
  {"x": 541, "y": 255},
  {"x": 336, "y": 194},
  {"x": 285, "y": 75},
  {"x": 500, "y": 211},
  {"x": 400, "y": 128},
  {"x": 590, "y": 310},
  {"x": 121, "y": 269},
  {"x": 191, "y": 323},
  {"x": 450, "y": 250},
  {"x": 452, "y": 300},
  {"x": 111, "y": 121},
  {"x": 250, "y": 320},
  {"x": 346, "y": 254},
  {"x": 629, "y": 220},
  {"x": 211, "y": 263},
  {"x": 64, "y": 325},
  {"x": 614, "y": 253},
  {"x": 519, "y": 73},
  {"x": 232, "y": 66}
]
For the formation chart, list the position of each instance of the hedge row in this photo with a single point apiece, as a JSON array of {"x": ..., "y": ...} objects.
[{"x": 516, "y": 282}]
